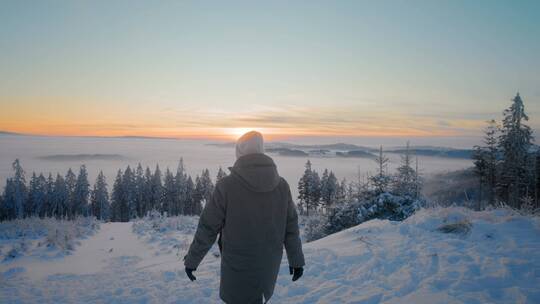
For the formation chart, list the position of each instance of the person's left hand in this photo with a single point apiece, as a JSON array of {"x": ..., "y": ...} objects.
[
  {"x": 296, "y": 272},
  {"x": 190, "y": 275}
]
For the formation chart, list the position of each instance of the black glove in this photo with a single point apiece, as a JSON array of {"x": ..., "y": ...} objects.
[
  {"x": 190, "y": 275},
  {"x": 296, "y": 272}
]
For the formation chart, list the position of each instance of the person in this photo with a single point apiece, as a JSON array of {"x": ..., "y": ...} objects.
[{"x": 253, "y": 211}]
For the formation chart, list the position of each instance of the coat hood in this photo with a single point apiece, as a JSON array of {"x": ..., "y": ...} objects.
[{"x": 257, "y": 172}]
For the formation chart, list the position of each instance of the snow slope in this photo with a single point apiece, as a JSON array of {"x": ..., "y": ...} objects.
[{"x": 497, "y": 261}]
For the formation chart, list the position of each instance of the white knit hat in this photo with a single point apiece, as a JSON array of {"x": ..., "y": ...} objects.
[{"x": 250, "y": 143}]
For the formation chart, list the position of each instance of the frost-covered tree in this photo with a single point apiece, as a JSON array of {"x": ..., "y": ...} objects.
[
  {"x": 189, "y": 200},
  {"x": 36, "y": 196},
  {"x": 81, "y": 193},
  {"x": 170, "y": 194},
  {"x": 139, "y": 190},
  {"x": 486, "y": 162},
  {"x": 341, "y": 194},
  {"x": 118, "y": 201},
  {"x": 147, "y": 192},
  {"x": 381, "y": 180},
  {"x": 130, "y": 192},
  {"x": 515, "y": 141},
  {"x": 203, "y": 190},
  {"x": 16, "y": 193},
  {"x": 309, "y": 189},
  {"x": 71, "y": 181},
  {"x": 221, "y": 174},
  {"x": 156, "y": 190},
  {"x": 100, "y": 205},
  {"x": 329, "y": 189},
  {"x": 49, "y": 196},
  {"x": 181, "y": 179},
  {"x": 405, "y": 180},
  {"x": 60, "y": 197}
]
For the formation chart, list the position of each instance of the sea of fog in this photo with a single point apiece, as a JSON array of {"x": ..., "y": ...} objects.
[{"x": 37, "y": 153}]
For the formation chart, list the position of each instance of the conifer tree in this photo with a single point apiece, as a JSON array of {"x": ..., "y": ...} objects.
[
  {"x": 16, "y": 193},
  {"x": 189, "y": 203},
  {"x": 515, "y": 142},
  {"x": 147, "y": 192},
  {"x": 309, "y": 189},
  {"x": 170, "y": 194},
  {"x": 60, "y": 197},
  {"x": 405, "y": 179},
  {"x": 81, "y": 193},
  {"x": 221, "y": 174},
  {"x": 181, "y": 179},
  {"x": 156, "y": 190},
  {"x": 329, "y": 189},
  {"x": 117, "y": 199},
  {"x": 486, "y": 163},
  {"x": 71, "y": 181},
  {"x": 139, "y": 191},
  {"x": 100, "y": 204},
  {"x": 128, "y": 181},
  {"x": 381, "y": 180},
  {"x": 49, "y": 196}
]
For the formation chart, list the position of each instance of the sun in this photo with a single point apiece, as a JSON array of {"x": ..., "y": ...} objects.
[{"x": 237, "y": 132}]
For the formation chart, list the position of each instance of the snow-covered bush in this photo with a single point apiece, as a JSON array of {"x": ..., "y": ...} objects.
[
  {"x": 166, "y": 234},
  {"x": 23, "y": 235},
  {"x": 312, "y": 227},
  {"x": 382, "y": 206}
]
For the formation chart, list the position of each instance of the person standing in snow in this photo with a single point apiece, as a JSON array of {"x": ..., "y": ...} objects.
[{"x": 253, "y": 211}]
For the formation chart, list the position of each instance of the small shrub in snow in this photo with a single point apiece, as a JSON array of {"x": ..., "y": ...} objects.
[
  {"x": 53, "y": 233},
  {"x": 462, "y": 227},
  {"x": 382, "y": 206}
]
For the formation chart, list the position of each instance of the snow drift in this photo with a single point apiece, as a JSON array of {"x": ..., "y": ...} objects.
[{"x": 443, "y": 255}]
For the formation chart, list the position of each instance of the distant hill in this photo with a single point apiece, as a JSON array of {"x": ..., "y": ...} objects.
[
  {"x": 82, "y": 157},
  {"x": 10, "y": 133},
  {"x": 356, "y": 153},
  {"x": 436, "y": 152}
]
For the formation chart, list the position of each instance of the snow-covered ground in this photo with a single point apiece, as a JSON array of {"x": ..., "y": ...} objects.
[{"x": 491, "y": 257}]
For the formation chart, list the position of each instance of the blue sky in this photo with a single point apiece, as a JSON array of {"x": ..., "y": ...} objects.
[{"x": 351, "y": 68}]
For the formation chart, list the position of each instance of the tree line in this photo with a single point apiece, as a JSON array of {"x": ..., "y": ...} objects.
[
  {"x": 134, "y": 193},
  {"x": 322, "y": 194},
  {"x": 508, "y": 164}
]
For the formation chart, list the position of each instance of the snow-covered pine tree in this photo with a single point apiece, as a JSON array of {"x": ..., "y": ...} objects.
[
  {"x": 181, "y": 186},
  {"x": 156, "y": 190},
  {"x": 128, "y": 181},
  {"x": 100, "y": 204},
  {"x": 514, "y": 143},
  {"x": 189, "y": 200},
  {"x": 170, "y": 194},
  {"x": 486, "y": 163},
  {"x": 117, "y": 198},
  {"x": 82, "y": 193},
  {"x": 147, "y": 192},
  {"x": 309, "y": 189},
  {"x": 139, "y": 190},
  {"x": 16, "y": 192},
  {"x": 36, "y": 196},
  {"x": 341, "y": 194},
  {"x": 49, "y": 196},
  {"x": 404, "y": 182},
  {"x": 71, "y": 181},
  {"x": 303, "y": 189},
  {"x": 381, "y": 180},
  {"x": 329, "y": 189},
  {"x": 221, "y": 174},
  {"x": 203, "y": 190},
  {"x": 60, "y": 198}
]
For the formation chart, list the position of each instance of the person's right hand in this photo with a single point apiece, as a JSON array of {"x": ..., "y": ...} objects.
[
  {"x": 296, "y": 272},
  {"x": 190, "y": 275}
]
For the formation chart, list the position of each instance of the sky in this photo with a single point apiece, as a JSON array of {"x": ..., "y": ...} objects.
[{"x": 291, "y": 69}]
